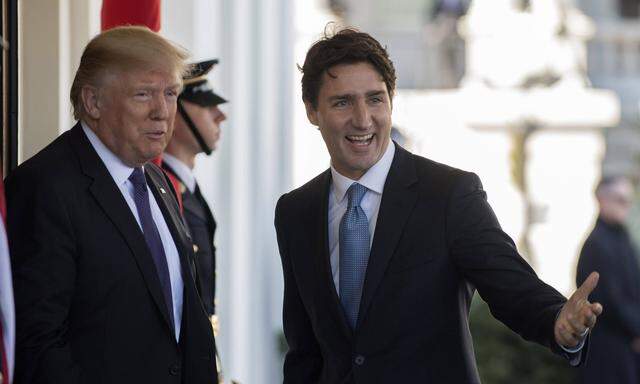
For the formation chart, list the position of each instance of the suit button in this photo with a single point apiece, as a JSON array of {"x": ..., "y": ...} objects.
[
  {"x": 359, "y": 360},
  {"x": 174, "y": 370}
]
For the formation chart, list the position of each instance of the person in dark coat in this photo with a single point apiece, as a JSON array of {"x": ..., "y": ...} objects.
[
  {"x": 100, "y": 255},
  {"x": 383, "y": 252},
  {"x": 615, "y": 342},
  {"x": 197, "y": 130}
]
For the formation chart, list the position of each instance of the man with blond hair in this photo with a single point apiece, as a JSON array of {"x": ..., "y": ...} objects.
[{"x": 101, "y": 258}]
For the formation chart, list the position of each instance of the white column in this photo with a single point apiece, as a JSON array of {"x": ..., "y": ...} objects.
[
  {"x": 39, "y": 81},
  {"x": 52, "y": 35},
  {"x": 250, "y": 169}
]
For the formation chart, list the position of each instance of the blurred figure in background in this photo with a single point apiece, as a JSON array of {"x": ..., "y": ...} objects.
[
  {"x": 615, "y": 344},
  {"x": 196, "y": 130}
]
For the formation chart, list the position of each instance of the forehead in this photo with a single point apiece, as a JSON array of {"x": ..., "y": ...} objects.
[
  {"x": 134, "y": 77},
  {"x": 352, "y": 78}
]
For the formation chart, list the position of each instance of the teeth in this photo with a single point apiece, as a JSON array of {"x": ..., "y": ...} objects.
[{"x": 360, "y": 137}]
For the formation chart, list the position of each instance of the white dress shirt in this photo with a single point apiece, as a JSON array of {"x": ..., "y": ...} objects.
[
  {"x": 182, "y": 170},
  {"x": 120, "y": 173},
  {"x": 374, "y": 180}
]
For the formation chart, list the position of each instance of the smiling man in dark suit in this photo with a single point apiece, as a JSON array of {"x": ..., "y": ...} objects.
[
  {"x": 101, "y": 258},
  {"x": 382, "y": 252}
]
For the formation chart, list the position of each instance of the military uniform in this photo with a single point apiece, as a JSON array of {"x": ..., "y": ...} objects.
[
  {"x": 202, "y": 225},
  {"x": 195, "y": 209}
]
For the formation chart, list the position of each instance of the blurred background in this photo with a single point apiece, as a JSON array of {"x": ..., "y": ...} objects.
[{"x": 539, "y": 97}]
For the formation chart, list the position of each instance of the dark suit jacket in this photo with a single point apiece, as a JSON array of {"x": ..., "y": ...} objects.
[
  {"x": 89, "y": 305},
  {"x": 436, "y": 240},
  {"x": 609, "y": 250},
  {"x": 202, "y": 227}
]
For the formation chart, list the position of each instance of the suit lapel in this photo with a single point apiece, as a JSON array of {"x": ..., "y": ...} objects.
[
  {"x": 320, "y": 223},
  {"x": 399, "y": 196},
  {"x": 109, "y": 197},
  {"x": 169, "y": 207}
]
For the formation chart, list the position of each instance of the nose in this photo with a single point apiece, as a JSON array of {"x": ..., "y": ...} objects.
[
  {"x": 161, "y": 107},
  {"x": 218, "y": 115},
  {"x": 361, "y": 115}
]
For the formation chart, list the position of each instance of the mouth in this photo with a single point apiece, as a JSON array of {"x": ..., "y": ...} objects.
[
  {"x": 156, "y": 135},
  {"x": 361, "y": 140}
]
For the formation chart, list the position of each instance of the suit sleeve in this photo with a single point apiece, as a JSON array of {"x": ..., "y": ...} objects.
[
  {"x": 488, "y": 258},
  {"x": 620, "y": 313},
  {"x": 43, "y": 253},
  {"x": 303, "y": 360}
]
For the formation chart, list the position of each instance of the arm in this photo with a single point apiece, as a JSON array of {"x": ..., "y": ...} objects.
[
  {"x": 43, "y": 253},
  {"x": 488, "y": 258},
  {"x": 303, "y": 361}
]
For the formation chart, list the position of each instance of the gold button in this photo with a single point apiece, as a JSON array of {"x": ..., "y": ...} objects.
[{"x": 195, "y": 249}]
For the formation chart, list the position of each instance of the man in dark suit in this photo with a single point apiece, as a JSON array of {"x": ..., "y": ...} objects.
[
  {"x": 615, "y": 343},
  {"x": 382, "y": 252},
  {"x": 101, "y": 259},
  {"x": 197, "y": 130}
]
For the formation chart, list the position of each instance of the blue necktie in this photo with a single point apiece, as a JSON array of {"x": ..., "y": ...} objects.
[
  {"x": 151, "y": 235},
  {"x": 354, "y": 253}
]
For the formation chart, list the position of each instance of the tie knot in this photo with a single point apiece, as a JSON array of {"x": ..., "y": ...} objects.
[
  {"x": 137, "y": 178},
  {"x": 356, "y": 193}
]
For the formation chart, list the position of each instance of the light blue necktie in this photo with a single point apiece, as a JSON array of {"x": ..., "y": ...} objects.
[{"x": 354, "y": 253}]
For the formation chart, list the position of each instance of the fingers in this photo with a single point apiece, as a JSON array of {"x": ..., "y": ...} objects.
[
  {"x": 566, "y": 338},
  {"x": 587, "y": 287},
  {"x": 575, "y": 321},
  {"x": 585, "y": 318},
  {"x": 597, "y": 308}
]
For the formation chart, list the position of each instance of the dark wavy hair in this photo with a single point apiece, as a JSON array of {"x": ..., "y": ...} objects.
[{"x": 346, "y": 46}]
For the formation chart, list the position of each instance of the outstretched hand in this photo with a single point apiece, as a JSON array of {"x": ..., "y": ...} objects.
[{"x": 578, "y": 315}]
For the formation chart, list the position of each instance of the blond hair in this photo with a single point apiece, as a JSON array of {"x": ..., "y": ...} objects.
[{"x": 123, "y": 49}]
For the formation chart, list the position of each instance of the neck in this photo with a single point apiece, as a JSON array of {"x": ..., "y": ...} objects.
[
  {"x": 182, "y": 154},
  {"x": 610, "y": 221}
]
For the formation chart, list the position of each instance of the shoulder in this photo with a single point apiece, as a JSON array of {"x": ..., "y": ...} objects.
[
  {"x": 53, "y": 167},
  {"x": 439, "y": 178},
  {"x": 307, "y": 193}
]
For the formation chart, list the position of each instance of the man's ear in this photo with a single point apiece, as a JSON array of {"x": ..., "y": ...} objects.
[
  {"x": 90, "y": 101},
  {"x": 311, "y": 113}
]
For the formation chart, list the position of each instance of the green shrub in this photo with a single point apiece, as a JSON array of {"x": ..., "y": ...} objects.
[{"x": 503, "y": 357}]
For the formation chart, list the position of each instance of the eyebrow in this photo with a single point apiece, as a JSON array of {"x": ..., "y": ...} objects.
[
  {"x": 351, "y": 95},
  {"x": 150, "y": 86}
]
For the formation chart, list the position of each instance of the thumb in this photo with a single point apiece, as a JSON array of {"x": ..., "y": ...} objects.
[{"x": 587, "y": 287}]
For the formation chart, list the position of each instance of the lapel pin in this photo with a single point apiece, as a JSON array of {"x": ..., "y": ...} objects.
[{"x": 162, "y": 190}]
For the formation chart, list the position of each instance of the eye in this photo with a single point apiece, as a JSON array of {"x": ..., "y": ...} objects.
[
  {"x": 376, "y": 99},
  {"x": 142, "y": 95},
  {"x": 171, "y": 93},
  {"x": 340, "y": 103}
]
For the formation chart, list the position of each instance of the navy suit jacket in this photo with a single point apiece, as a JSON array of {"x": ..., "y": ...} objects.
[
  {"x": 89, "y": 305},
  {"x": 436, "y": 241}
]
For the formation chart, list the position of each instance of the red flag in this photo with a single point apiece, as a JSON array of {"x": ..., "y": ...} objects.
[
  {"x": 126, "y": 12},
  {"x": 3, "y": 355}
]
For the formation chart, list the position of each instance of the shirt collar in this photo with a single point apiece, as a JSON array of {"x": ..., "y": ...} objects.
[
  {"x": 119, "y": 171},
  {"x": 373, "y": 179},
  {"x": 182, "y": 170}
]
